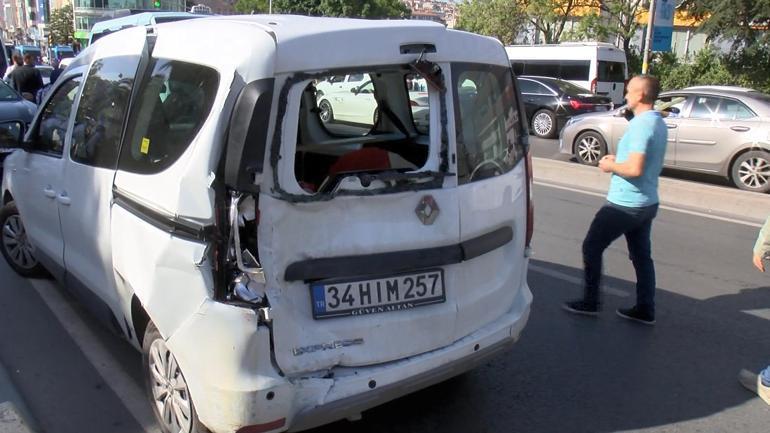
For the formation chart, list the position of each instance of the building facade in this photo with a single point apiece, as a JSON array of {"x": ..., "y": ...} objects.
[
  {"x": 441, "y": 11},
  {"x": 88, "y": 12}
]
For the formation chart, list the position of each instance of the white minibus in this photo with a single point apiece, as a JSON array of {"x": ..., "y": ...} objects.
[{"x": 598, "y": 66}]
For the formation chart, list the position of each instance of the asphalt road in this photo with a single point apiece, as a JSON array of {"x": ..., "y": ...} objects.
[{"x": 566, "y": 374}]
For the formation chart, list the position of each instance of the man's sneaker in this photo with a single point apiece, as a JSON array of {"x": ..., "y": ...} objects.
[
  {"x": 753, "y": 382},
  {"x": 637, "y": 315},
  {"x": 581, "y": 307}
]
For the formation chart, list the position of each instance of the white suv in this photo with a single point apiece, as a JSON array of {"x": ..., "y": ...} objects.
[{"x": 278, "y": 276}]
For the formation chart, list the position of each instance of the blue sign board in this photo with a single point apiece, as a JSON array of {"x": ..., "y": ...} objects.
[
  {"x": 663, "y": 27},
  {"x": 42, "y": 11}
]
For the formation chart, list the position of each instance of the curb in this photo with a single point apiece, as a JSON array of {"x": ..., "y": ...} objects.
[
  {"x": 14, "y": 415},
  {"x": 732, "y": 203}
]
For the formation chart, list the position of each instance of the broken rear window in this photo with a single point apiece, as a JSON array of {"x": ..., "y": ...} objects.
[{"x": 354, "y": 130}]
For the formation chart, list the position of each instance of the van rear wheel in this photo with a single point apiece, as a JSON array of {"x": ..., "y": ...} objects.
[
  {"x": 166, "y": 387},
  {"x": 15, "y": 245}
]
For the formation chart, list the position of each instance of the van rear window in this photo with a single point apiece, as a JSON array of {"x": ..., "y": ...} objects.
[
  {"x": 489, "y": 132},
  {"x": 613, "y": 72},
  {"x": 372, "y": 121}
]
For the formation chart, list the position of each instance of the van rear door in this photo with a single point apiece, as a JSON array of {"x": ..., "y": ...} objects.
[
  {"x": 611, "y": 75},
  {"x": 360, "y": 269}
]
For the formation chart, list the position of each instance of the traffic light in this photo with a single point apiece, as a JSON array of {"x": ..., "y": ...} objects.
[{"x": 156, "y": 3}]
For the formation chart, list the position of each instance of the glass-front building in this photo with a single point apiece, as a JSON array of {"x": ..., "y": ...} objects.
[{"x": 88, "y": 12}]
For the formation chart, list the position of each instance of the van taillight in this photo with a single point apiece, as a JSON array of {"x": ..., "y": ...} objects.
[
  {"x": 530, "y": 205},
  {"x": 593, "y": 84}
]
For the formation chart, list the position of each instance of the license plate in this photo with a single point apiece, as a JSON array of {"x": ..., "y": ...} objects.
[
  {"x": 602, "y": 108},
  {"x": 379, "y": 295}
]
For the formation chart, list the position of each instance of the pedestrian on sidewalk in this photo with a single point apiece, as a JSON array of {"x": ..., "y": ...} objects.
[
  {"x": 632, "y": 204},
  {"x": 759, "y": 384}
]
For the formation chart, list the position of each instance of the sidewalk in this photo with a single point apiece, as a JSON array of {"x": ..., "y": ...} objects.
[
  {"x": 14, "y": 416},
  {"x": 732, "y": 203}
]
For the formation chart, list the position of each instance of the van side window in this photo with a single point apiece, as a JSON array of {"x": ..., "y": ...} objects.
[
  {"x": 102, "y": 110},
  {"x": 542, "y": 68},
  {"x": 54, "y": 118},
  {"x": 489, "y": 141},
  {"x": 575, "y": 70},
  {"x": 173, "y": 104}
]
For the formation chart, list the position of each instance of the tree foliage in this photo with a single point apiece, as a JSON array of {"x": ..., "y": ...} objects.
[
  {"x": 329, "y": 8},
  {"x": 612, "y": 17},
  {"x": 62, "y": 26},
  {"x": 502, "y": 19},
  {"x": 549, "y": 17}
]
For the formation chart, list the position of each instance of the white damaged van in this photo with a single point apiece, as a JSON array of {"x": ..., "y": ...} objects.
[{"x": 278, "y": 271}]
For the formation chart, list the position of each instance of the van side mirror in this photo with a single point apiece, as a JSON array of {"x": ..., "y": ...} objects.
[
  {"x": 247, "y": 137},
  {"x": 12, "y": 134}
]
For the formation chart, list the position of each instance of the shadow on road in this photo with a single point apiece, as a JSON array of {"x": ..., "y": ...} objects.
[{"x": 581, "y": 374}]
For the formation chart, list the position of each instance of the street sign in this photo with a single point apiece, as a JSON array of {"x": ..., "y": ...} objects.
[{"x": 663, "y": 28}]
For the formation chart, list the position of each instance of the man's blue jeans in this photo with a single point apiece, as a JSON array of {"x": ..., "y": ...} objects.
[{"x": 610, "y": 223}]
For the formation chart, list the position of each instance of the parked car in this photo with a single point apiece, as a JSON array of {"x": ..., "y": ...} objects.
[
  {"x": 274, "y": 275},
  {"x": 550, "y": 102},
  {"x": 359, "y": 107},
  {"x": 13, "y": 109},
  {"x": 718, "y": 130},
  {"x": 340, "y": 83}
]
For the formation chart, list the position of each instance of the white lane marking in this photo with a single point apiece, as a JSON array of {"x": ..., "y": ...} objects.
[
  {"x": 575, "y": 280},
  {"x": 125, "y": 387},
  {"x": 666, "y": 207},
  {"x": 763, "y": 313}
]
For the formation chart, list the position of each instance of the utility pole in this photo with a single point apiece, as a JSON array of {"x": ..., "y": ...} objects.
[{"x": 648, "y": 38}]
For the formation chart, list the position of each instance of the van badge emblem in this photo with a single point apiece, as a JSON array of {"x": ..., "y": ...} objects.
[{"x": 427, "y": 211}]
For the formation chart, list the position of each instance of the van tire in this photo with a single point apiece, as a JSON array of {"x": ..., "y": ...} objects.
[
  {"x": 20, "y": 257},
  {"x": 754, "y": 167},
  {"x": 544, "y": 124},
  {"x": 590, "y": 147},
  {"x": 157, "y": 356}
]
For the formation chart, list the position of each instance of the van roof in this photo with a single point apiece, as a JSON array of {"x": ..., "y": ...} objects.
[{"x": 311, "y": 43}]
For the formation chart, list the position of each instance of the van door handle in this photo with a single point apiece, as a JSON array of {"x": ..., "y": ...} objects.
[
  {"x": 49, "y": 192},
  {"x": 740, "y": 128},
  {"x": 671, "y": 125},
  {"x": 64, "y": 199}
]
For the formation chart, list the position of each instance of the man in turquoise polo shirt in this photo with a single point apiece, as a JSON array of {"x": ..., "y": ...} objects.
[{"x": 632, "y": 203}]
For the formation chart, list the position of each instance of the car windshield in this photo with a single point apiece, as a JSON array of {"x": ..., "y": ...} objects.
[{"x": 6, "y": 93}]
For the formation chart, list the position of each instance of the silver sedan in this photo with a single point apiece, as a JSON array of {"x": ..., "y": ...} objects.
[{"x": 718, "y": 130}]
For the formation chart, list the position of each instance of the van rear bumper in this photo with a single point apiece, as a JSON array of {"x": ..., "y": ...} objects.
[
  {"x": 351, "y": 395},
  {"x": 234, "y": 384}
]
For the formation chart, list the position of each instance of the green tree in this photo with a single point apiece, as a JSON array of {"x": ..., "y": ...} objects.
[
  {"x": 62, "y": 26},
  {"x": 251, "y": 6},
  {"x": 329, "y": 8},
  {"x": 549, "y": 17},
  {"x": 502, "y": 19},
  {"x": 612, "y": 17}
]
